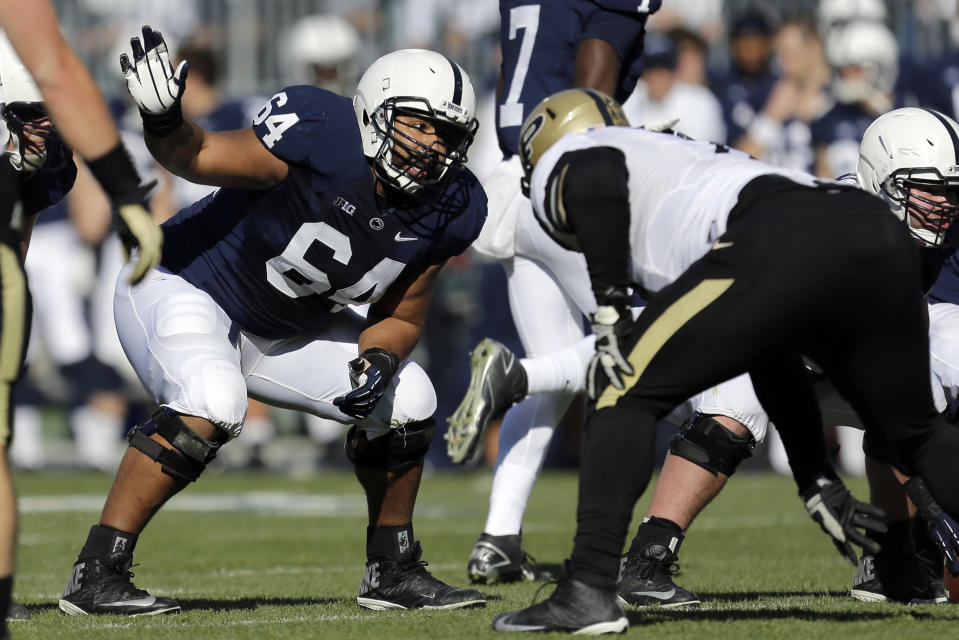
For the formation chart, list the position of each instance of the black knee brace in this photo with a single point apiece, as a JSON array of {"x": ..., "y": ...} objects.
[
  {"x": 708, "y": 444},
  {"x": 190, "y": 454},
  {"x": 398, "y": 450}
]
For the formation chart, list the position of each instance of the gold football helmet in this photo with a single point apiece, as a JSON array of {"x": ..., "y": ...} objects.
[{"x": 569, "y": 111}]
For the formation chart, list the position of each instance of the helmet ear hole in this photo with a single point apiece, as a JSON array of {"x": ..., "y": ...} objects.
[{"x": 366, "y": 118}]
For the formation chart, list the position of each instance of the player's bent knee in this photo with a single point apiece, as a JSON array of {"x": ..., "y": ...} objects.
[
  {"x": 708, "y": 444},
  {"x": 415, "y": 398},
  {"x": 191, "y": 452},
  {"x": 398, "y": 450}
]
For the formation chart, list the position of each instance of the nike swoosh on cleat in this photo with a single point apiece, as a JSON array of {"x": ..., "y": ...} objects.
[
  {"x": 721, "y": 245},
  {"x": 659, "y": 595},
  {"x": 142, "y": 602},
  {"x": 399, "y": 237}
]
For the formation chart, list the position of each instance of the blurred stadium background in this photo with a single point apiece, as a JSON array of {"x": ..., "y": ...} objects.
[{"x": 248, "y": 49}]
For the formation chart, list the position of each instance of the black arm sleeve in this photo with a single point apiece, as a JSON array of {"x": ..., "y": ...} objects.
[
  {"x": 785, "y": 391},
  {"x": 595, "y": 206}
]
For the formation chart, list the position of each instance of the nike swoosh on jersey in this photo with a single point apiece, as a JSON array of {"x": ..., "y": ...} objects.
[
  {"x": 721, "y": 245},
  {"x": 399, "y": 237},
  {"x": 142, "y": 602}
]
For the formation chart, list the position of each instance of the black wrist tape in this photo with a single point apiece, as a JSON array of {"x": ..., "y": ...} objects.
[
  {"x": 117, "y": 175},
  {"x": 161, "y": 125}
]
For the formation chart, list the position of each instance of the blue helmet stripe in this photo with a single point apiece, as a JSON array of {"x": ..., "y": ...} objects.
[
  {"x": 457, "y": 83},
  {"x": 952, "y": 132}
]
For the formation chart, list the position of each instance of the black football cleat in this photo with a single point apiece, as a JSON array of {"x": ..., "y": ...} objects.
[
  {"x": 575, "y": 607},
  {"x": 501, "y": 559},
  {"x": 646, "y": 579},
  {"x": 406, "y": 584},
  {"x": 888, "y": 577},
  {"x": 97, "y": 586}
]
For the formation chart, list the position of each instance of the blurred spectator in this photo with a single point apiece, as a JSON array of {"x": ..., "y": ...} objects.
[
  {"x": 744, "y": 88},
  {"x": 692, "y": 56},
  {"x": 863, "y": 57},
  {"x": 779, "y": 133},
  {"x": 702, "y": 17},
  {"x": 660, "y": 98}
]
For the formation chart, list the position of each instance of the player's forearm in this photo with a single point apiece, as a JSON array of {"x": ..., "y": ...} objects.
[
  {"x": 393, "y": 334},
  {"x": 179, "y": 152}
]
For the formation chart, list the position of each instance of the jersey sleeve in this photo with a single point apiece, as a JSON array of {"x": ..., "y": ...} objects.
[
  {"x": 308, "y": 126},
  {"x": 622, "y": 28}
]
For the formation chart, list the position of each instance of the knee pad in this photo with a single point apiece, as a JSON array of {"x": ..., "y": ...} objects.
[
  {"x": 398, "y": 450},
  {"x": 708, "y": 444},
  {"x": 191, "y": 452}
]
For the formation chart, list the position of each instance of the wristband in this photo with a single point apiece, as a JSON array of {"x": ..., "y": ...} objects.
[
  {"x": 160, "y": 125},
  {"x": 117, "y": 175}
]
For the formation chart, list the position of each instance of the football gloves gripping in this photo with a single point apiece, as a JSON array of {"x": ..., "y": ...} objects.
[
  {"x": 829, "y": 503},
  {"x": 154, "y": 84},
  {"x": 370, "y": 375},
  {"x": 943, "y": 530},
  {"x": 611, "y": 324}
]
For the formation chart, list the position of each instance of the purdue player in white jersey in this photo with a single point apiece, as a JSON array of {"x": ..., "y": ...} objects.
[{"x": 752, "y": 268}]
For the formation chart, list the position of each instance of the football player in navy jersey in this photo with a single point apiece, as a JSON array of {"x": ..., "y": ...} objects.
[
  {"x": 324, "y": 205},
  {"x": 546, "y": 47},
  {"x": 864, "y": 60}
]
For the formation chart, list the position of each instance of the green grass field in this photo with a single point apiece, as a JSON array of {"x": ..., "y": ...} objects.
[{"x": 265, "y": 556}]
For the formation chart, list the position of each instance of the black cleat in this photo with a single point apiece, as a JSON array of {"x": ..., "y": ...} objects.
[
  {"x": 97, "y": 586},
  {"x": 646, "y": 579},
  {"x": 887, "y": 577},
  {"x": 574, "y": 607},
  {"x": 17, "y": 612},
  {"x": 497, "y": 382},
  {"x": 501, "y": 559},
  {"x": 406, "y": 584}
]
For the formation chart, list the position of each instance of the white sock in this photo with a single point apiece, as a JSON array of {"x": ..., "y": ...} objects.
[
  {"x": 258, "y": 430},
  {"x": 27, "y": 449},
  {"x": 524, "y": 441},
  {"x": 778, "y": 459},
  {"x": 851, "y": 458},
  {"x": 560, "y": 370},
  {"x": 97, "y": 435}
]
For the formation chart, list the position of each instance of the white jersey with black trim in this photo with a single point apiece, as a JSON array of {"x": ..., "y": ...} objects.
[{"x": 680, "y": 191}]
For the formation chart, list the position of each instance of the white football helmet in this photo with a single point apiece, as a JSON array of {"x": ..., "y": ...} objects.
[
  {"x": 321, "y": 50},
  {"x": 871, "y": 46},
  {"x": 419, "y": 83},
  {"x": 23, "y": 112},
  {"x": 913, "y": 147},
  {"x": 836, "y": 13}
]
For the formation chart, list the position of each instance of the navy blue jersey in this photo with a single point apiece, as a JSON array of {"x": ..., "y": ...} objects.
[
  {"x": 742, "y": 97},
  {"x": 946, "y": 287},
  {"x": 839, "y": 131},
  {"x": 280, "y": 261},
  {"x": 539, "y": 41}
]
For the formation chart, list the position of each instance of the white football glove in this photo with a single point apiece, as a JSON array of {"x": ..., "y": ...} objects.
[
  {"x": 151, "y": 80},
  {"x": 608, "y": 365}
]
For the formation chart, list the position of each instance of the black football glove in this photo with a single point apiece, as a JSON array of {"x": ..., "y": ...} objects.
[
  {"x": 611, "y": 324},
  {"x": 943, "y": 530},
  {"x": 370, "y": 375},
  {"x": 829, "y": 503}
]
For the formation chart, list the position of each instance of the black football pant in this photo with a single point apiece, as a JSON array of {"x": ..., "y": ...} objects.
[{"x": 826, "y": 273}]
